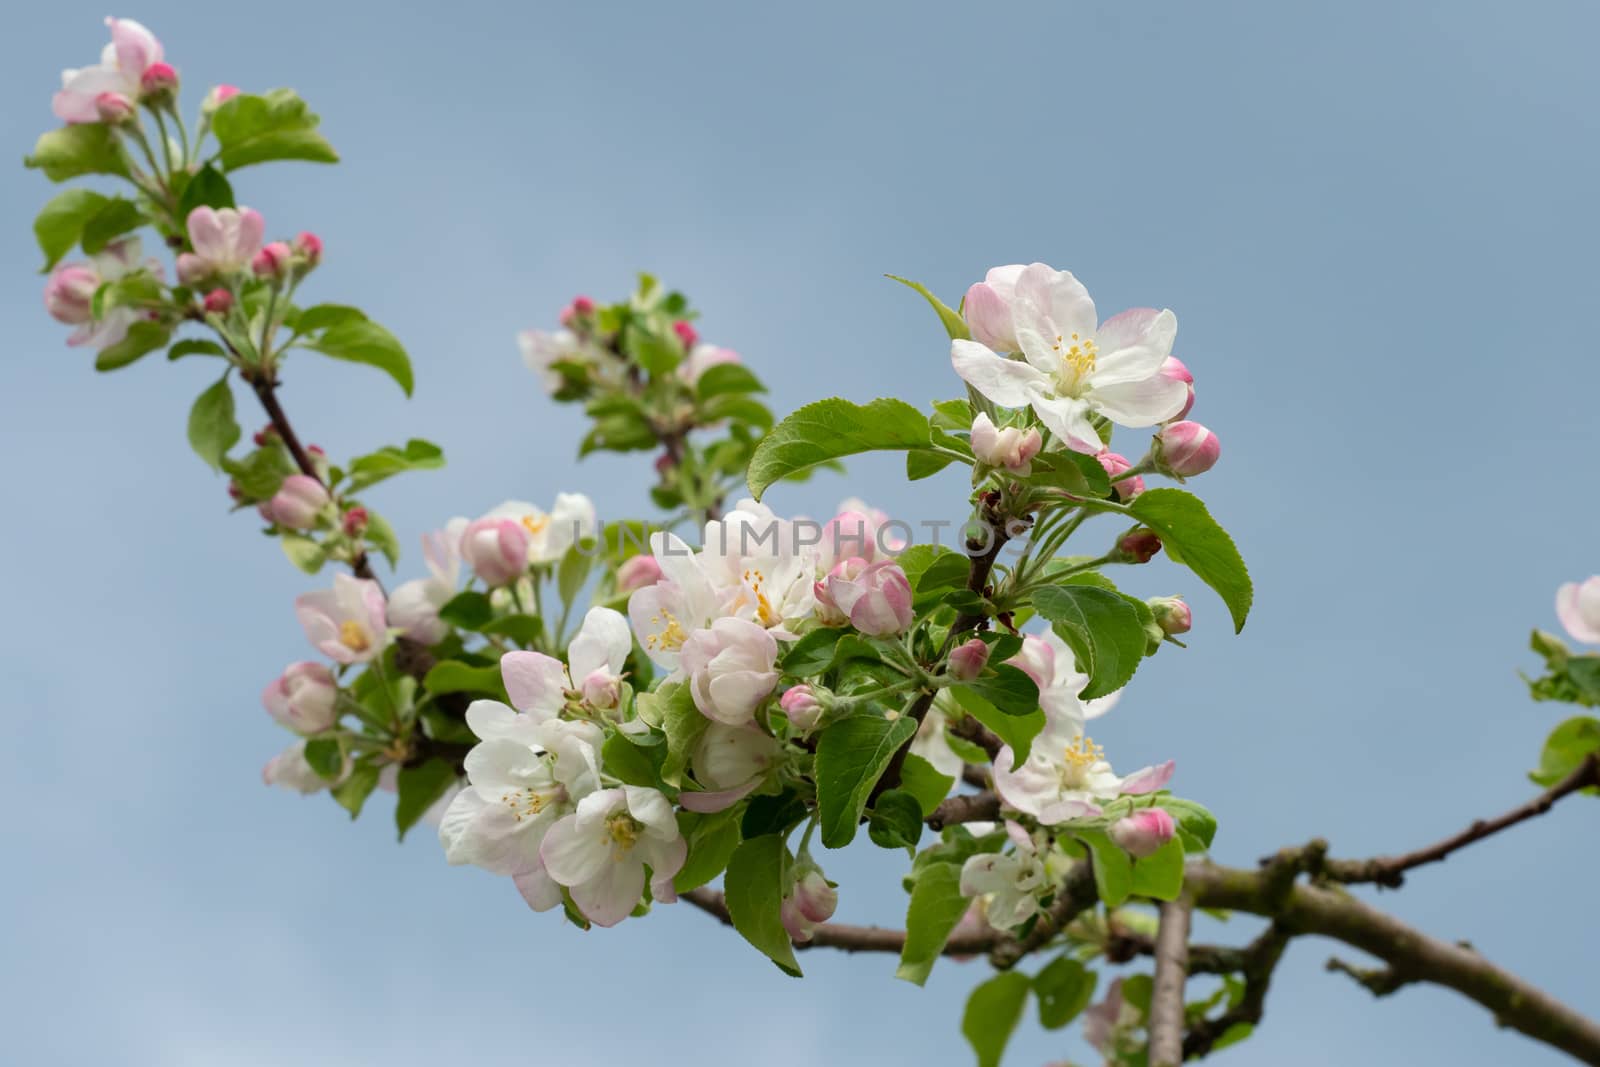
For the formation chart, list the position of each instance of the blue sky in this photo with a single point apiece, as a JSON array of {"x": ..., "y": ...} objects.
[{"x": 1371, "y": 219}]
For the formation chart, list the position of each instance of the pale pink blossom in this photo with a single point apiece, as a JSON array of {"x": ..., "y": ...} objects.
[
  {"x": 1115, "y": 464},
  {"x": 69, "y": 293},
  {"x": 1174, "y": 369},
  {"x": 226, "y": 238},
  {"x": 1066, "y": 775},
  {"x": 1172, "y": 614},
  {"x": 730, "y": 761},
  {"x": 219, "y": 95},
  {"x": 968, "y": 659},
  {"x": 1188, "y": 448},
  {"x": 802, "y": 707},
  {"x": 731, "y": 669},
  {"x": 874, "y": 597},
  {"x": 345, "y": 623},
  {"x": 272, "y": 261},
  {"x": 114, "y": 108},
  {"x": 158, "y": 80},
  {"x": 1143, "y": 832},
  {"x": 1012, "y": 447},
  {"x": 304, "y": 698},
  {"x": 290, "y": 770},
  {"x": 1578, "y": 608},
  {"x": 810, "y": 901},
  {"x": 636, "y": 572},
  {"x": 123, "y": 62},
  {"x": 702, "y": 358},
  {"x": 496, "y": 549},
  {"x": 987, "y": 308},
  {"x": 414, "y": 605},
  {"x": 600, "y": 851},
  {"x": 299, "y": 502}
]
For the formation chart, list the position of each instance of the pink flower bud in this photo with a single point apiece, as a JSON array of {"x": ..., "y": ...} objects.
[
  {"x": 265, "y": 436},
  {"x": 1174, "y": 370},
  {"x": 815, "y": 898},
  {"x": 218, "y": 302},
  {"x": 234, "y": 492},
  {"x": 1012, "y": 448},
  {"x": 496, "y": 550},
  {"x": 602, "y": 689},
  {"x": 304, "y": 698},
  {"x": 1172, "y": 614},
  {"x": 1188, "y": 448},
  {"x": 158, "y": 80},
  {"x": 308, "y": 246},
  {"x": 219, "y": 95},
  {"x": 636, "y": 572},
  {"x": 969, "y": 659},
  {"x": 582, "y": 305},
  {"x": 272, "y": 261},
  {"x": 1143, "y": 832},
  {"x": 1114, "y": 464},
  {"x": 69, "y": 294},
  {"x": 686, "y": 333},
  {"x": 354, "y": 522},
  {"x": 802, "y": 707},
  {"x": 298, "y": 503},
  {"x": 1139, "y": 546},
  {"x": 193, "y": 269},
  {"x": 874, "y": 597},
  {"x": 113, "y": 108}
]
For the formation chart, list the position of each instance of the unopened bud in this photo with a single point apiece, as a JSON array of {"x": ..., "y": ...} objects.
[
  {"x": 298, "y": 503},
  {"x": 354, "y": 521},
  {"x": 308, "y": 247},
  {"x": 602, "y": 689},
  {"x": 218, "y": 302},
  {"x": 219, "y": 95},
  {"x": 272, "y": 261},
  {"x": 636, "y": 572},
  {"x": 319, "y": 461},
  {"x": 968, "y": 661},
  {"x": 113, "y": 108},
  {"x": 1139, "y": 545},
  {"x": 265, "y": 436},
  {"x": 1115, "y": 464},
  {"x": 686, "y": 333},
  {"x": 802, "y": 706},
  {"x": 1143, "y": 832},
  {"x": 1172, "y": 614},
  {"x": 1187, "y": 449},
  {"x": 234, "y": 492},
  {"x": 158, "y": 82},
  {"x": 816, "y": 899}
]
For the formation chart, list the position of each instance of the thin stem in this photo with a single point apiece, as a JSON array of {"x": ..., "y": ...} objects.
[{"x": 166, "y": 142}]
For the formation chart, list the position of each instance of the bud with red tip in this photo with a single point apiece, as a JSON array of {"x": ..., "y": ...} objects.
[
  {"x": 308, "y": 248},
  {"x": 299, "y": 502},
  {"x": 158, "y": 83},
  {"x": 968, "y": 660},
  {"x": 1143, "y": 832},
  {"x": 319, "y": 461},
  {"x": 1187, "y": 449},
  {"x": 272, "y": 261},
  {"x": 113, "y": 108},
  {"x": 1174, "y": 370},
  {"x": 1172, "y": 614},
  {"x": 235, "y": 493},
  {"x": 1138, "y": 545},
  {"x": 354, "y": 522},
  {"x": 803, "y": 706},
  {"x": 265, "y": 436},
  {"x": 218, "y": 302},
  {"x": 686, "y": 333},
  {"x": 219, "y": 95},
  {"x": 1115, "y": 464}
]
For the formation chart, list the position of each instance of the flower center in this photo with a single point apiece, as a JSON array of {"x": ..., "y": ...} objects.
[
  {"x": 1078, "y": 759},
  {"x": 764, "y": 613},
  {"x": 670, "y": 636},
  {"x": 623, "y": 829},
  {"x": 353, "y": 635},
  {"x": 536, "y": 524},
  {"x": 525, "y": 803},
  {"x": 1077, "y": 356}
]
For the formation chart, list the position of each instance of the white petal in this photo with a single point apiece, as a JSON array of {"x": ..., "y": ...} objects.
[
  {"x": 535, "y": 682},
  {"x": 607, "y": 898},
  {"x": 1008, "y": 382},
  {"x": 1068, "y": 418},
  {"x": 1142, "y": 403}
]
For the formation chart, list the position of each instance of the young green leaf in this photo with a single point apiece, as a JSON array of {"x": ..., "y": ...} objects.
[
  {"x": 352, "y": 793},
  {"x": 936, "y": 909},
  {"x": 469, "y": 610},
  {"x": 1197, "y": 827},
  {"x": 83, "y": 148},
  {"x": 1017, "y": 731},
  {"x": 573, "y": 572},
  {"x": 324, "y": 756},
  {"x": 143, "y": 338},
  {"x": 992, "y": 1013},
  {"x": 1008, "y": 688},
  {"x": 386, "y": 462},
  {"x": 753, "y": 890},
  {"x": 207, "y": 188},
  {"x": 1566, "y": 748},
  {"x": 420, "y": 787},
  {"x": 115, "y": 218},
  {"x": 364, "y": 341},
  {"x": 212, "y": 426},
  {"x": 60, "y": 223},
  {"x": 712, "y": 840},
  {"x": 1101, "y": 627},
  {"x": 725, "y": 378},
  {"x": 1113, "y": 870},
  {"x": 896, "y": 821},
  {"x": 275, "y": 125},
  {"x": 828, "y": 429},
  {"x": 949, "y": 318},
  {"x": 1064, "y": 988},
  {"x": 452, "y": 676},
  {"x": 304, "y": 552},
  {"x": 1160, "y": 874},
  {"x": 851, "y": 755},
  {"x": 923, "y": 781},
  {"x": 683, "y": 724},
  {"x": 1192, "y": 537}
]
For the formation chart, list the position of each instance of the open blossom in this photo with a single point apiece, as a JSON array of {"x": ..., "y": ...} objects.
[
  {"x": 1578, "y": 608},
  {"x": 226, "y": 239},
  {"x": 702, "y": 358},
  {"x": 667, "y": 611},
  {"x": 599, "y": 852},
  {"x": 345, "y": 623},
  {"x": 69, "y": 293},
  {"x": 132, "y": 51},
  {"x": 305, "y": 698},
  {"x": 541, "y": 351},
  {"x": 731, "y": 669},
  {"x": 931, "y": 743},
  {"x": 1010, "y": 882},
  {"x": 1066, "y": 775},
  {"x": 759, "y": 568},
  {"x": 414, "y": 605},
  {"x": 514, "y": 794},
  {"x": 289, "y": 770},
  {"x": 730, "y": 761},
  {"x": 1074, "y": 369},
  {"x": 1050, "y": 663},
  {"x": 874, "y": 597},
  {"x": 571, "y": 519},
  {"x": 1012, "y": 448},
  {"x": 540, "y": 686}
]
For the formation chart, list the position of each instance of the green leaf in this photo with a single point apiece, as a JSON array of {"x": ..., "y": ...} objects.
[
  {"x": 1101, "y": 627},
  {"x": 470, "y": 610},
  {"x": 321, "y": 316},
  {"x": 1160, "y": 874},
  {"x": 573, "y": 572},
  {"x": 195, "y": 347},
  {"x": 1192, "y": 537},
  {"x": 829, "y": 429},
  {"x": 352, "y": 793},
  {"x": 304, "y": 552},
  {"x": 84, "y": 148},
  {"x": 993, "y": 1011},
  {"x": 143, "y": 338},
  {"x": 523, "y": 629},
  {"x": 1197, "y": 827},
  {"x": 1566, "y": 748},
  {"x": 683, "y": 725},
  {"x": 920, "y": 465},
  {"x": 212, "y": 427},
  {"x": 208, "y": 187},
  {"x": 276, "y": 125},
  {"x": 364, "y": 341},
  {"x": 851, "y": 755},
  {"x": 950, "y": 319},
  {"x": 1073, "y": 472},
  {"x": 325, "y": 757},
  {"x": 1064, "y": 988},
  {"x": 1008, "y": 688},
  {"x": 452, "y": 676},
  {"x": 812, "y": 654},
  {"x": 952, "y": 415},
  {"x": 923, "y": 781},
  {"x": 711, "y": 844},
  {"x": 420, "y": 787},
  {"x": 381, "y": 535},
  {"x": 772, "y": 815},
  {"x": 1113, "y": 870},
  {"x": 115, "y": 218},
  {"x": 60, "y": 222},
  {"x": 627, "y": 762},
  {"x": 935, "y": 911},
  {"x": 896, "y": 820},
  {"x": 261, "y": 472},
  {"x": 386, "y": 462},
  {"x": 1018, "y": 731},
  {"x": 725, "y": 378},
  {"x": 753, "y": 890}
]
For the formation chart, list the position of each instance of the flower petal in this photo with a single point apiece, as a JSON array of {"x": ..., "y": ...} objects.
[{"x": 1008, "y": 382}]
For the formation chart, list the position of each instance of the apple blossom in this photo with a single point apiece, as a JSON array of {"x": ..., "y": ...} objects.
[
  {"x": 1110, "y": 1025},
  {"x": 1143, "y": 832},
  {"x": 219, "y": 95},
  {"x": 307, "y": 248},
  {"x": 218, "y": 302},
  {"x": 600, "y": 851},
  {"x": 931, "y": 743},
  {"x": 684, "y": 600},
  {"x": 570, "y": 520},
  {"x": 354, "y": 522},
  {"x": 289, "y": 770},
  {"x": 114, "y": 108},
  {"x": 730, "y": 761},
  {"x": 1172, "y": 614},
  {"x": 802, "y": 707},
  {"x": 299, "y": 502},
  {"x": 810, "y": 901},
  {"x": 69, "y": 293},
  {"x": 541, "y": 351},
  {"x": 730, "y": 666},
  {"x": 272, "y": 261},
  {"x": 227, "y": 239},
  {"x": 858, "y": 530},
  {"x": 1115, "y": 464},
  {"x": 636, "y": 572},
  {"x": 1174, "y": 369},
  {"x": 541, "y": 687},
  {"x": 702, "y": 358},
  {"x": 414, "y": 605},
  {"x": 1066, "y": 775},
  {"x": 987, "y": 308},
  {"x": 496, "y": 549},
  {"x": 1578, "y": 608},
  {"x": 123, "y": 62},
  {"x": 346, "y": 623},
  {"x": 1187, "y": 449},
  {"x": 874, "y": 597},
  {"x": 304, "y": 698},
  {"x": 1010, "y": 883},
  {"x": 158, "y": 83},
  {"x": 1012, "y": 447},
  {"x": 759, "y": 568},
  {"x": 686, "y": 334},
  {"x": 968, "y": 659},
  {"x": 1073, "y": 369}
]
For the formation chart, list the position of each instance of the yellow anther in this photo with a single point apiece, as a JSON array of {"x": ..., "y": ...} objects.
[
  {"x": 353, "y": 635},
  {"x": 1083, "y": 753},
  {"x": 670, "y": 638},
  {"x": 535, "y": 524}
]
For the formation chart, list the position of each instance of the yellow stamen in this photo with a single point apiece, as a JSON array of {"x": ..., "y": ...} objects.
[
  {"x": 1083, "y": 753},
  {"x": 670, "y": 638},
  {"x": 535, "y": 524},
  {"x": 764, "y": 613},
  {"x": 624, "y": 830},
  {"x": 353, "y": 635},
  {"x": 1078, "y": 356},
  {"x": 524, "y": 803}
]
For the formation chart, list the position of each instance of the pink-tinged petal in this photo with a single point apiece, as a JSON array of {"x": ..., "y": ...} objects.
[
  {"x": 535, "y": 682},
  {"x": 1578, "y": 608},
  {"x": 735, "y": 696},
  {"x": 1142, "y": 403},
  {"x": 666, "y": 859},
  {"x": 1008, "y": 382},
  {"x": 205, "y": 234},
  {"x": 571, "y": 856},
  {"x": 1136, "y": 347},
  {"x": 988, "y": 316},
  {"x": 1050, "y": 304},
  {"x": 251, "y": 231},
  {"x": 538, "y": 889},
  {"x": 1148, "y": 779},
  {"x": 136, "y": 47},
  {"x": 612, "y": 894},
  {"x": 720, "y": 800}
]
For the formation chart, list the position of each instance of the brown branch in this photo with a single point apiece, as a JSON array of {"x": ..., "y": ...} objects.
[
  {"x": 1389, "y": 871},
  {"x": 967, "y": 807},
  {"x": 1257, "y": 961},
  {"x": 850, "y": 938},
  {"x": 1166, "y": 997},
  {"x": 1379, "y": 981}
]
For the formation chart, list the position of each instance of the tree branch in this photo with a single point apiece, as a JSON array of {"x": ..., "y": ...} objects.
[
  {"x": 1256, "y": 961},
  {"x": 849, "y": 938},
  {"x": 1389, "y": 871},
  {"x": 1166, "y": 998},
  {"x": 966, "y": 807}
]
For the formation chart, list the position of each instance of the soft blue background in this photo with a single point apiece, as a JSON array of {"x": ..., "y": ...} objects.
[{"x": 1376, "y": 223}]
